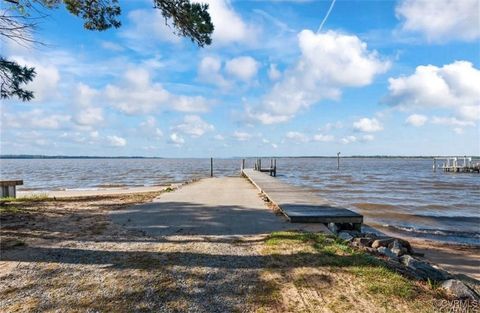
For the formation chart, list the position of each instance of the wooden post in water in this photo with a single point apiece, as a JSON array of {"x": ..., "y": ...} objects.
[
  {"x": 211, "y": 167},
  {"x": 434, "y": 164},
  {"x": 338, "y": 160},
  {"x": 275, "y": 167}
]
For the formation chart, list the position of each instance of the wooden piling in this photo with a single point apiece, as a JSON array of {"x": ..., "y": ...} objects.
[
  {"x": 211, "y": 167},
  {"x": 338, "y": 160}
]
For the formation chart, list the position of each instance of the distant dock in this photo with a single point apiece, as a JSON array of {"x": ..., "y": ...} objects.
[
  {"x": 456, "y": 164},
  {"x": 299, "y": 205}
]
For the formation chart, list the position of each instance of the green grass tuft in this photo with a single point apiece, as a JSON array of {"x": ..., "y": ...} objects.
[{"x": 34, "y": 198}]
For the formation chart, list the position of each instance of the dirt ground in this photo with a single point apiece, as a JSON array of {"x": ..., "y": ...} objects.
[{"x": 69, "y": 256}]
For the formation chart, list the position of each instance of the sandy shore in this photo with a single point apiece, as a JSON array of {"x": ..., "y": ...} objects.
[{"x": 93, "y": 192}]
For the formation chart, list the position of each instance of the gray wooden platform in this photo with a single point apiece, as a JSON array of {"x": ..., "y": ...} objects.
[{"x": 300, "y": 205}]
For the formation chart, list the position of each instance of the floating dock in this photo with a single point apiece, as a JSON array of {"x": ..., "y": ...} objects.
[{"x": 299, "y": 205}]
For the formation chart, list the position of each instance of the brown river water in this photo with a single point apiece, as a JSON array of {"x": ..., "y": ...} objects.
[{"x": 401, "y": 195}]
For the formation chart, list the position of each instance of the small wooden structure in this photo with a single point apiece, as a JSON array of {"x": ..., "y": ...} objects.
[
  {"x": 8, "y": 188},
  {"x": 300, "y": 205},
  {"x": 272, "y": 170},
  {"x": 457, "y": 164}
]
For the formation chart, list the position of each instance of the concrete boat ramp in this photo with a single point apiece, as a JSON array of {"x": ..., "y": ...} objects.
[
  {"x": 299, "y": 205},
  {"x": 231, "y": 206}
]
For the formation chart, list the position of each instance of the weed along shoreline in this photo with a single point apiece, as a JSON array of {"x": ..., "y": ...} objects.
[{"x": 213, "y": 245}]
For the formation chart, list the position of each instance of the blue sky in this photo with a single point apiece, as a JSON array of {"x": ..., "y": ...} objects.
[{"x": 380, "y": 77}]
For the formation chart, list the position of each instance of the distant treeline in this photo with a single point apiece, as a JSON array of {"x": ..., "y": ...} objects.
[{"x": 28, "y": 156}]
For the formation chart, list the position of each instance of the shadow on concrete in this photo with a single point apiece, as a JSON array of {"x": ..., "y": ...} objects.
[{"x": 185, "y": 218}]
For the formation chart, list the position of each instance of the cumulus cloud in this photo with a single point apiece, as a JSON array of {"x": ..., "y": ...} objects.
[
  {"x": 149, "y": 126},
  {"x": 146, "y": 27},
  {"x": 241, "y": 136},
  {"x": 244, "y": 68},
  {"x": 194, "y": 126},
  {"x": 451, "y": 121},
  {"x": 368, "y": 125},
  {"x": 273, "y": 72},
  {"x": 453, "y": 86},
  {"x": 176, "y": 139},
  {"x": 229, "y": 26},
  {"x": 348, "y": 139},
  {"x": 116, "y": 141},
  {"x": 209, "y": 71},
  {"x": 416, "y": 120},
  {"x": 367, "y": 138},
  {"x": 441, "y": 20},
  {"x": 297, "y": 136},
  {"x": 323, "y": 138},
  {"x": 137, "y": 94},
  {"x": 329, "y": 62},
  {"x": 36, "y": 118},
  {"x": 47, "y": 78},
  {"x": 86, "y": 112}
]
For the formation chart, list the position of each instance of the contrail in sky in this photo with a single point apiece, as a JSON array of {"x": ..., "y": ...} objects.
[{"x": 326, "y": 16}]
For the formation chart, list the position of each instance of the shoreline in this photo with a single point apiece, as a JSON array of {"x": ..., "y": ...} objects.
[
  {"x": 457, "y": 258},
  {"x": 71, "y": 193}
]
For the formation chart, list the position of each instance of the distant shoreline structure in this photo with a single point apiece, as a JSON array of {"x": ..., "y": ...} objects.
[{"x": 32, "y": 156}]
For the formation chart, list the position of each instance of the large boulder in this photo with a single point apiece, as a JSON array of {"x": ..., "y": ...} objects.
[
  {"x": 362, "y": 242},
  {"x": 345, "y": 236},
  {"x": 387, "y": 252},
  {"x": 397, "y": 248},
  {"x": 458, "y": 289},
  {"x": 423, "y": 270},
  {"x": 382, "y": 242}
]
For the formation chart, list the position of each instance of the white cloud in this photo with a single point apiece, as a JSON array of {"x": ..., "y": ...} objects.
[
  {"x": 176, "y": 139},
  {"x": 451, "y": 121},
  {"x": 368, "y": 125},
  {"x": 441, "y": 20},
  {"x": 244, "y": 68},
  {"x": 87, "y": 114},
  {"x": 219, "y": 137},
  {"x": 146, "y": 27},
  {"x": 116, "y": 141},
  {"x": 149, "y": 127},
  {"x": 229, "y": 26},
  {"x": 416, "y": 120},
  {"x": 36, "y": 118},
  {"x": 209, "y": 70},
  {"x": 46, "y": 81},
  {"x": 194, "y": 126},
  {"x": 297, "y": 136},
  {"x": 241, "y": 136},
  {"x": 329, "y": 62},
  {"x": 453, "y": 86},
  {"x": 273, "y": 72},
  {"x": 323, "y": 138},
  {"x": 348, "y": 139},
  {"x": 137, "y": 94},
  {"x": 367, "y": 138},
  {"x": 330, "y": 126},
  {"x": 112, "y": 46}
]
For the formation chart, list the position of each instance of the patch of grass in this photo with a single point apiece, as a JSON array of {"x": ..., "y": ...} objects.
[
  {"x": 12, "y": 209},
  {"x": 325, "y": 272},
  {"x": 379, "y": 280},
  {"x": 169, "y": 189},
  {"x": 30, "y": 198}
]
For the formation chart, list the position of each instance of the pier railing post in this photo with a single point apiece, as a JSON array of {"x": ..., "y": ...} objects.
[{"x": 211, "y": 167}]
